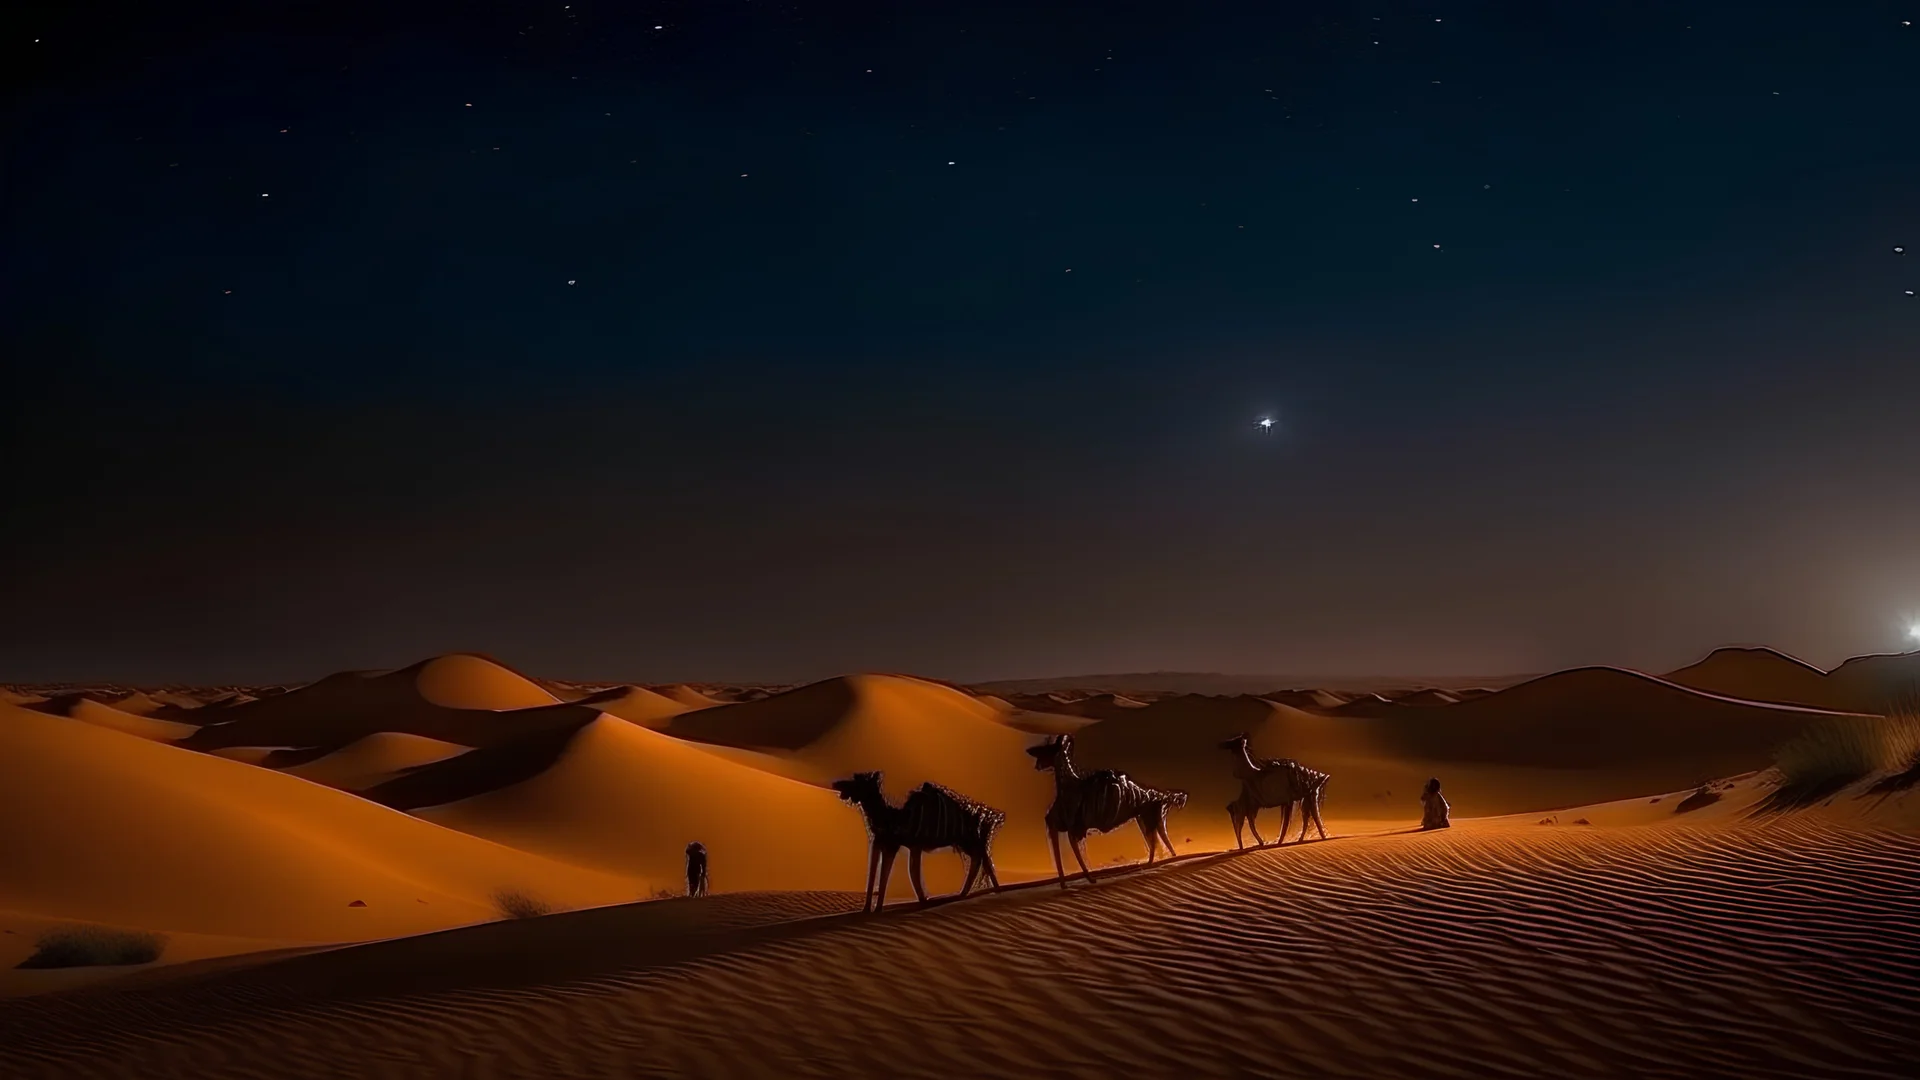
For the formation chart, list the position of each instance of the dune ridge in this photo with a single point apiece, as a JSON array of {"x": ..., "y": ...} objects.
[
  {"x": 1867, "y": 684},
  {"x": 618, "y": 797},
  {"x": 1574, "y": 737},
  {"x": 1497, "y": 952},
  {"x": 134, "y": 833},
  {"x": 464, "y": 699}
]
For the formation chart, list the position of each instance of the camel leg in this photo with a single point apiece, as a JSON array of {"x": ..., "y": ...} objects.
[
  {"x": 1306, "y": 817},
  {"x": 1054, "y": 839},
  {"x": 1153, "y": 842},
  {"x": 913, "y": 874},
  {"x": 886, "y": 871},
  {"x": 1253, "y": 823},
  {"x": 1075, "y": 840},
  {"x": 1167, "y": 840},
  {"x": 973, "y": 871},
  {"x": 1239, "y": 843},
  {"x": 873, "y": 871},
  {"x": 1286, "y": 818},
  {"x": 1317, "y": 822},
  {"x": 992, "y": 875}
]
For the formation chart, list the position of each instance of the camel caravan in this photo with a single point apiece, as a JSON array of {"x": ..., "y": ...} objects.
[{"x": 936, "y": 818}]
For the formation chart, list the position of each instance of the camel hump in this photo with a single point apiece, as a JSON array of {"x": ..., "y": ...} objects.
[{"x": 1108, "y": 776}]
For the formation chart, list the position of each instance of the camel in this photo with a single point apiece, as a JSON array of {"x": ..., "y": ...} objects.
[
  {"x": 1099, "y": 802},
  {"x": 1268, "y": 782},
  {"x": 934, "y": 817}
]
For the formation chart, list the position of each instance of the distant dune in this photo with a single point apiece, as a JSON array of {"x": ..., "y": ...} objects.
[
  {"x": 686, "y": 695},
  {"x": 637, "y": 705},
  {"x": 373, "y": 759},
  {"x": 1569, "y": 738},
  {"x": 1218, "y": 685},
  {"x": 104, "y": 826},
  {"x": 911, "y": 729},
  {"x": 81, "y": 707},
  {"x": 1863, "y": 684},
  {"x": 461, "y": 699},
  {"x": 621, "y": 798}
]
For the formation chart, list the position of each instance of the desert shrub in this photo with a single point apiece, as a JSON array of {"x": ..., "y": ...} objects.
[
  {"x": 514, "y": 904},
  {"x": 94, "y": 946},
  {"x": 1829, "y": 755},
  {"x": 1904, "y": 748}
]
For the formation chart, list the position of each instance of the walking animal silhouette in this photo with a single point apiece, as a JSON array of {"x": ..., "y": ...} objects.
[
  {"x": 1277, "y": 782},
  {"x": 934, "y": 817},
  {"x": 1099, "y": 802}
]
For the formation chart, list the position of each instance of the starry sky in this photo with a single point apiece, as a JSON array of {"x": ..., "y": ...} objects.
[{"x": 752, "y": 340}]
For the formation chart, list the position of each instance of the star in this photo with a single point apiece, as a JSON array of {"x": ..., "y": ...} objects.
[
  {"x": 1266, "y": 423},
  {"x": 571, "y": 281}
]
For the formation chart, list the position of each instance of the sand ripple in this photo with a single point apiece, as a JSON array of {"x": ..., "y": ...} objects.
[{"x": 1786, "y": 950}]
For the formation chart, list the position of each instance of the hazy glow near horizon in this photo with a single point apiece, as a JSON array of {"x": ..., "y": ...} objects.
[{"x": 1914, "y": 631}]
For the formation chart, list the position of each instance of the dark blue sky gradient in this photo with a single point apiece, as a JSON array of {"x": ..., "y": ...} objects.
[{"x": 863, "y": 408}]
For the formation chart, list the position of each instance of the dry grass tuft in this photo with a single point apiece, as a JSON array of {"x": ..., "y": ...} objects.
[
  {"x": 514, "y": 904},
  {"x": 1829, "y": 756}
]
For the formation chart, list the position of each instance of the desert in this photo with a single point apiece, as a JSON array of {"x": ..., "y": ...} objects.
[{"x": 454, "y": 865}]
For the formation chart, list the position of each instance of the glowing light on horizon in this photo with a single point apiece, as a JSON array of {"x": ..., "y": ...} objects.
[{"x": 1914, "y": 631}]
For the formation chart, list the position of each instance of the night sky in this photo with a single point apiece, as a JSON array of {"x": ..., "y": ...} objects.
[{"x": 752, "y": 340}]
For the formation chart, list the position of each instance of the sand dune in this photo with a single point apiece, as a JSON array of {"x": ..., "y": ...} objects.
[
  {"x": 467, "y": 700},
  {"x": 637, "y": 704},
  {"x": 911, "y": 729},
  {"x": 1426, "y": 697},
  {"x": 1759, "y": 674},
  {"x": 686, "y": 695},
  {"x": 81, "y": 707},
  {"x": 1575, "y": 737},
  {"x": 366, "y": 762},
  {"x": 1878, "y": 683},
  {"x": 1863, "y": 684},
  {"x": 105, "y": 827},
  {"x": 1307, "y": 699},
  {"x": 1483, "y": 952},
  {"x": 625, "y": 799}
]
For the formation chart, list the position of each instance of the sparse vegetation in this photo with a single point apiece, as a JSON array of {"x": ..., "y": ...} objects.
[
  {"x": 94, "y": 946},
  {"x": 1828, "y": 756},
  {"x": 1904, "y": 748},
  {"x": 514, "y": 904}
]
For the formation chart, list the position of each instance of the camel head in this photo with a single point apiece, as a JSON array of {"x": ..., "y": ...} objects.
[
  {"x": 859, "y": 786},
  {"x": 1237, "y": 743},
  {"x": 1047, "y": 754}
]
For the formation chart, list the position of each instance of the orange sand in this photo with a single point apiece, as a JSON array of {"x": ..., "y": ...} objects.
[
  {"x": 105, "y": 827},
  {"x": 1488, "y": 950},
  {"x": 1625, "y": 937},
  {"x": 378, "y": 757}
]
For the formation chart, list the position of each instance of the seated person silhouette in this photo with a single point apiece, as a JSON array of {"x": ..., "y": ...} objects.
[{"x": 1434, "y": 816}]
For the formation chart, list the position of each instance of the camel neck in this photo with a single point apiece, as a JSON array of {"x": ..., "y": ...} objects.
[
  {"x": 1246, "y": 761},
  {"x": 880, "y": 814}
]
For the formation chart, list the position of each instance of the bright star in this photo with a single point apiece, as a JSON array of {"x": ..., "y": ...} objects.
[
  {"x": 1266, "y": 423},
  {"x": 1914, "y": 631}
]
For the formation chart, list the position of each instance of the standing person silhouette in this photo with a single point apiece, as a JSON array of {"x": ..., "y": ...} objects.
[
  {"x": 1434, "y": 814},
  {"x": 696, "y": 869}
]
